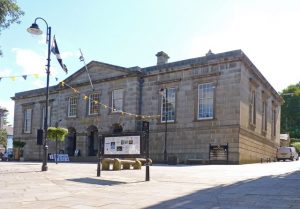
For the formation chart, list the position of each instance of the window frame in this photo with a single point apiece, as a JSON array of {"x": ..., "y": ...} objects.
[
  {"x": 274, "y": 122},
  {"x": 121, "y": 100},
  {"x": 27, "y": 123},
  {"x": 43, "y": 116},
  {"x": 211, "y": 104},
  {"x": 252, "y": 108},
  {"x": 72, "y": 107},
  {"x": 171, "y": 102},
  {"x": 93, "y": 104},
  {"x": 264, "y": 116}
]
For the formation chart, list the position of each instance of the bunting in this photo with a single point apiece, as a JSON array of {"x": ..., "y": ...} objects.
[
  {"x": 123, "y": 113},
  {"x": 14, "y": 77}
]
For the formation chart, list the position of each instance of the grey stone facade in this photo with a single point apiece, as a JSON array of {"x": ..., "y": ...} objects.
[{"x": 234, "y": 79}]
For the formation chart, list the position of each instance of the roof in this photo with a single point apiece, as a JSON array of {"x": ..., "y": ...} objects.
[
  {"x": 197, "y": 60},
  {"x": 204, "y": 60}
]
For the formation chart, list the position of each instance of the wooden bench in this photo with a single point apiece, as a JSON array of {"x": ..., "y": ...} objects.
[
  {"x": 106, "y": 162},
  {"x": 118, "y": 164},
  {"x": 142, "y": 160}
]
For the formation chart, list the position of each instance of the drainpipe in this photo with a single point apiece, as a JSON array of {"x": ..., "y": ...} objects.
[{"x": 141, "y": 85}]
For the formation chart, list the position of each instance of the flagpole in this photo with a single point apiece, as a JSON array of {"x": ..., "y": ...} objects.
[{"x": 82, "y": 59}]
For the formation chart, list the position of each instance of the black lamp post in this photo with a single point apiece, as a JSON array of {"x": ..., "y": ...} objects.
[{"x": 34, "y": 29}]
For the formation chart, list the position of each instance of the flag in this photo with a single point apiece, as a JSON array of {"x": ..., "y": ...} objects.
[{"x": 54, "y": 50}]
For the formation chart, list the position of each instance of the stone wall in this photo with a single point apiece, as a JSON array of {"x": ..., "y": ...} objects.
[{"x": 187, "y": 137}]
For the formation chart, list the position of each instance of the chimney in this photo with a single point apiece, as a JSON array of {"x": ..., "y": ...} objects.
[{"x": 162, "y": 58}]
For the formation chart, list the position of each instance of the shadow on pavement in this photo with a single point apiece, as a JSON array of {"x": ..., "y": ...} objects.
[
  {"x": 15, "y": 172},
  {"x": 97, "y": 181},
  {"x": 269, "y": 192}
]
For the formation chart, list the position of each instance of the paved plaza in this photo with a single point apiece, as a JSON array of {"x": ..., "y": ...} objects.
[{"x": 76, "y": 186}]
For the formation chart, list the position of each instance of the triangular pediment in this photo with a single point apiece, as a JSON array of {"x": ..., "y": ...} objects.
[{"x": 98, "y": 72}]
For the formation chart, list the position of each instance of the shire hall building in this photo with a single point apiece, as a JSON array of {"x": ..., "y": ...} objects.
[{"x": 193, "y": 106}]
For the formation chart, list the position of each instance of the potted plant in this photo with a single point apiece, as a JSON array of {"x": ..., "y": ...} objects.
[
  {"x": 55, "y": 134},
  {"x": 18, "y": 149}
]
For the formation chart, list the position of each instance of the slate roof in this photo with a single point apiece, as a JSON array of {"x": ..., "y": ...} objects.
[{"x": 198, "y": 60}]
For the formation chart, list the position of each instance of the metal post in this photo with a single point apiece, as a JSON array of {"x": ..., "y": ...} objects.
[
  {"x": 147, "y": 160},
  {"x": 166, "y": 126},
  {"x": 99, "y": 165},
  {"x": 45, "y": 157},
  {"x": 56, "y": 149}
]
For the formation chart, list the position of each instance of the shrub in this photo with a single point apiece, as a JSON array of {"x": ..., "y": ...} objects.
[
  {"x": 297, "y": 146},
  {"x": 18, "y": 144}
]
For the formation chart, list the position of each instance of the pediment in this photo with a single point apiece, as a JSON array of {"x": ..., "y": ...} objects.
[{"x": 97, "y": 71}]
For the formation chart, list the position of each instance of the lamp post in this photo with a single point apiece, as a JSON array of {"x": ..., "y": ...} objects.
[{"x": 35, "y": 30}]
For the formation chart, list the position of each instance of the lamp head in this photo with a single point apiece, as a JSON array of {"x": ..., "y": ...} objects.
[{"x": 34, "y": 29}]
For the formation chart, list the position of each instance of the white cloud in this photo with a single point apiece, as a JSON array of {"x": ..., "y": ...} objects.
[
  {"x": 270, "y": 41},
  {"x": 39, "y": 84},
  {"x": 5, "y": 72},
  {"x": 30, "y": 61}
]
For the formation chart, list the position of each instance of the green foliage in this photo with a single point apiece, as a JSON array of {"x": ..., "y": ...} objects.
[
  {"x": 3, "y": 137},
  {"x": 59, "y": 133},
  {"x": 292, "y": 140},
  {"x": 5, "y": 113},
  {"x": 290, "y": 111},
  {"x": 297, "y": 146},
  {"x": 18, "y": 144},
  {"x": 10, "y": 13}
]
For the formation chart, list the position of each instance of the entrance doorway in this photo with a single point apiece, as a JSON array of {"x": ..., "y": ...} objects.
[
  {"x": 92, "y": 140},
  {"x": 70, "y": 144}
]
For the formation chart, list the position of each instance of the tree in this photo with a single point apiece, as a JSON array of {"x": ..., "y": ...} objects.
[
  {"x": 10, "y": 13},
  {"x": 3, "y": 137},
  {"x": 290, "y": 112},
  {"x": 3, "y": 116}
]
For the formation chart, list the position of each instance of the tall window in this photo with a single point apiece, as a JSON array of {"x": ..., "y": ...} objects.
[
  {"x": 168, "y": 105},
  {"x": 206, "y": 101},
  {"x": 264, "y": 116},
  {"x": 94, "y": 106},
  {"x": 252, "y": 108},
  {"x": 72, "y": 107},
  {"x": 274, "y": 122},
  {"x": 27, "y": 120},
  {"x": 48, "y": 118},
  {"x": 117, "y": 100}
]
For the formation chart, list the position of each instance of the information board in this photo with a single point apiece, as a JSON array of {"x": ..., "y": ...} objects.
[
  {"x": 122, "y": 145},
  {"x": 60, "y": 157}
]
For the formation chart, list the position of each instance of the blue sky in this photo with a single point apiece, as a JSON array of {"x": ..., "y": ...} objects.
[{"x": 130, "y": 32}]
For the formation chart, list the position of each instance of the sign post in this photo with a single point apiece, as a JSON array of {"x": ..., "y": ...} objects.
[
  {"x": 99, "y": 155},
  {"x": 145, "y": 130}
]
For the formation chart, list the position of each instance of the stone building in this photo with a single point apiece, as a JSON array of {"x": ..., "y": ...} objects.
[{"x": 215, "y": 99}]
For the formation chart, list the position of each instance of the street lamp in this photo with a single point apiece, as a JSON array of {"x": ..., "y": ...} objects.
[
  {"x": 35, "y": 30},
  {"x": 166, "y": 122}
]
